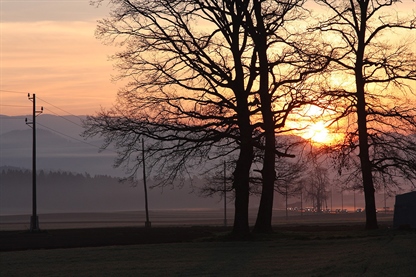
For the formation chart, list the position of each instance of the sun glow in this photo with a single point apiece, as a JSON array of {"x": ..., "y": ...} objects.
[
  {"x": 312, "y": 123},
  {"x": 317, "y": 132}
]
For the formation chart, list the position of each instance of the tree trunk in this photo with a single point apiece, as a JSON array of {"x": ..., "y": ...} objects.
[
  {"x": 366, "y": 167},
  {"x": 318, "y": 202},
  {"x": 264, "y": 216},
  {"x": 241, "y": 186},
  {"x": 242, "y": 171}
]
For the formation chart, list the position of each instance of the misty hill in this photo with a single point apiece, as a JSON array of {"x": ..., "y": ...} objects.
[
  {"x": 59, "y": 146},
  {"x": 69, "y": 124}
]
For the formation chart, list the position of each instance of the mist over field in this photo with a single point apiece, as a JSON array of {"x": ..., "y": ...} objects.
[{"x": 61, "y": 149}]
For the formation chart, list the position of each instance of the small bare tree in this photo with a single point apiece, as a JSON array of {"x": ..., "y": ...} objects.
[
  {"x": 316, "y": 187},
  {"x": 289, "y": 176}
]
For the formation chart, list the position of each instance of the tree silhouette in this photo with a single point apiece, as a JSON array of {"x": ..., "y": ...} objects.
[
  {"x": 289, "y": 179},
  {"x": 381, "y": 115},
  {"x": 284, "y": 67},
  {"x": 206, "y": 79},
  {"x": 316, "y": 186},
  {"x": 189, "y": 92}
]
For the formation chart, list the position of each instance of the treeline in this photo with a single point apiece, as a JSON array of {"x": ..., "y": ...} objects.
[{"x": 18, "y": 176}]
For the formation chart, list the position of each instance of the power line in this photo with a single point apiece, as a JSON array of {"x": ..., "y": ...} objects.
[
  {"x": 12, "y": 118},
  {"x": 65, "y": 118},
  {"x": 18, "y": 106},
  {"x": 90, "y": 144},
  {"x": 58, "y": 108},
  {"x": 21, "y": 106},
  {"x": 14, "y": 91},
  {"x": 53, "y": 130}
]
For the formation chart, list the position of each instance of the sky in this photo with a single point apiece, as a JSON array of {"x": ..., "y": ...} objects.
[{"x": 48, "y": 47}]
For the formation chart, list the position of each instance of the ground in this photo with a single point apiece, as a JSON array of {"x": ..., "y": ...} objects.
[
  {"x": 295, "y": 250},
  {"x": 93, "y": 237}
]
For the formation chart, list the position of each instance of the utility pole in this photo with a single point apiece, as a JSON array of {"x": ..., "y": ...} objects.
[
  {"x": 287, "y": 215},
  {"x": 301, "y": 202},
  {"x": 34, "y": 221},
  {"x": 385, "y": 200},
  {"x": 225, "y": 195},
  {"x": 354, "y": 202},
  {"x": 147, "y": 224},
  {"x": 331, "y": 198}
]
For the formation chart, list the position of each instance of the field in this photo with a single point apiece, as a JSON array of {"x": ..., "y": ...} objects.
[
  {"x": 304, "y": 250},
  {"x": 340, "y": 251}
]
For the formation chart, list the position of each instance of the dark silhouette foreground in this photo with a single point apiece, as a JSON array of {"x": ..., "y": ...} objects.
[{"x": 95, "y": 237}]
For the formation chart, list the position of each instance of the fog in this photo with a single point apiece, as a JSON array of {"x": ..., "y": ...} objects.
[{"x": 61, "y": 149}]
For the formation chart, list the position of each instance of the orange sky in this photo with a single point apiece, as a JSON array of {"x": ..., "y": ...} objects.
[{"x": 48, "y": 47}]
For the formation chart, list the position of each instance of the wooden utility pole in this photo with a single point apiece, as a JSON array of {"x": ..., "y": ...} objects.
[
  {"x": 147, "y": 224},
  {"x": 225, "y": 195},
  {"x": 34, "y": 221}
]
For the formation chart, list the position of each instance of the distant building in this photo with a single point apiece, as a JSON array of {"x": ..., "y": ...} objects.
[{"x": 405, "y": 210}]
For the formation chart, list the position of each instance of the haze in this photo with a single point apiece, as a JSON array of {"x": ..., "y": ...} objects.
[{"x": 49, "y": 48}]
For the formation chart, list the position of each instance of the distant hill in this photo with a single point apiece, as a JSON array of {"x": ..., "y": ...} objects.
[
  {"x": 70, "y": 124},
  {"x": 59, "y": 146}
]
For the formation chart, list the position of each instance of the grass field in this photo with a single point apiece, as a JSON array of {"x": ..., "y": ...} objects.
[{"x": 382, "y": 252}]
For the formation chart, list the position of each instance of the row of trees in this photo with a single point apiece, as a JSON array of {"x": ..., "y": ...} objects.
[
  {"x": 213, "y": 80},
  {"x": 16, "y": 177}
]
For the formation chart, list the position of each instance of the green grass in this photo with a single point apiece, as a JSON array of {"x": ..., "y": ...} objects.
[{"x": 349, "y": 253}]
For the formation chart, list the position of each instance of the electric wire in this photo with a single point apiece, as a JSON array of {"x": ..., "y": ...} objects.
[
  {"x": 14, "y": 91},
  {"x": 64, "y": 117},
  {"x": 57, "y": 107},
  {"x": 60, "y": 116},
  {"x": 17, "y": 106},
  {"x": 2, "y": 117},
  {"x": 79, "y": 140}
]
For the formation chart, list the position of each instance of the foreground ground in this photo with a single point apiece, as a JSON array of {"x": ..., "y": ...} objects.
[
  {"x": 93, "y": 237},
  {"x": 312, "y": 250}
]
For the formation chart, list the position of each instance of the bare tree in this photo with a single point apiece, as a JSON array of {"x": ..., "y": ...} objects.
[
  {"x": 287, "y": 58},
  {"x": 289, "y": 177},
  {"x": 316, "y": 186},
  {"x": 196, "y": 72},
  {"x": 381, "y": 115},
  {"x": 189, "y": 91}
]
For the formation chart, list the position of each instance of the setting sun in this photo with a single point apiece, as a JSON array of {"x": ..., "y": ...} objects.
[
  {"x": 317, "y": 132},
  {"x": 312, "y": 123}
]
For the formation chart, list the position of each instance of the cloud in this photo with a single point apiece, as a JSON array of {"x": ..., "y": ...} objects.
[{"x": 50, "y": 10}]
